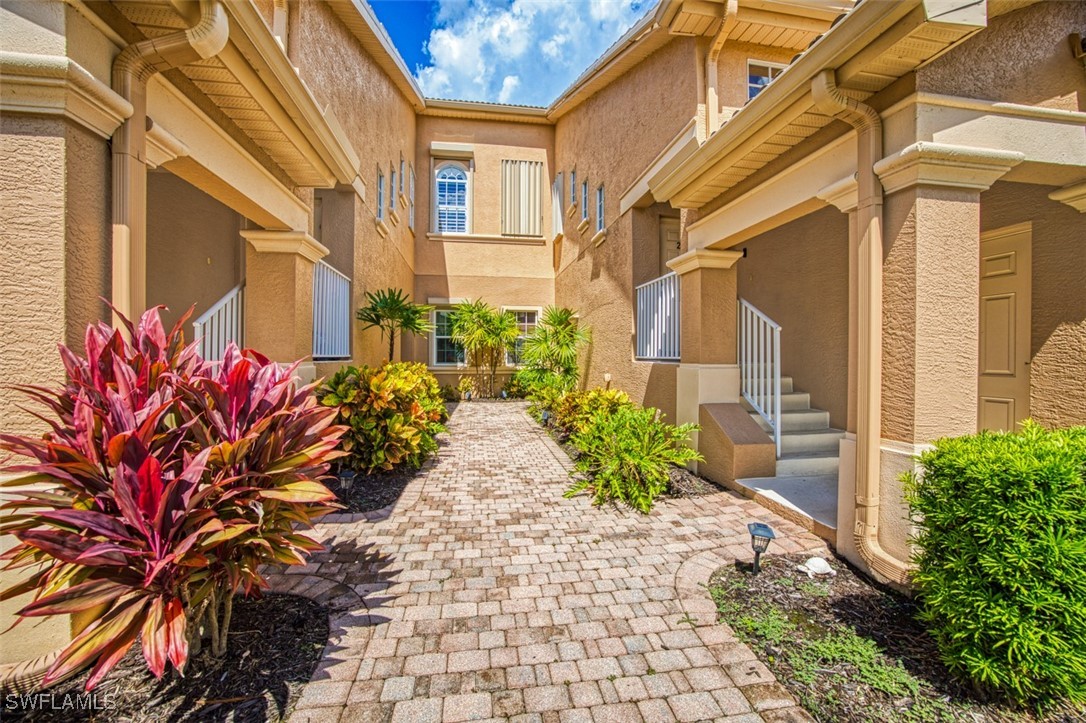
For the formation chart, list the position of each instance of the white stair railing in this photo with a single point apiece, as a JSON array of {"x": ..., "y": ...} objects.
[
  {"x": 760, "y": 366},
  {"x": 331, "y": 313},
  {"x": 658, "y": 319},
  {"x": 221, "y": 324}
]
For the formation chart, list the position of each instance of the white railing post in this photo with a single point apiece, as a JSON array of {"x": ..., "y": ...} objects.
[
  {"x": 658, "y": 320},
  {"x": 221, "y": 324},
  {"x": 760, "y": 366},
  {"x": 331, "y": 313}
]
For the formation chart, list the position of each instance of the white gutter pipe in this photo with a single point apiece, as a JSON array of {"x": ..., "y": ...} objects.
[
  {"x": 829, "y": 100},
  {"x": 135, "y": 65}
]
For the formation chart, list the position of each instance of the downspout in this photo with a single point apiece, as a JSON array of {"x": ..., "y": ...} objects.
[
  {"x": 712, "y": 100},
  {"x": 135, "y": 65},
  {"x": 829, "y": 100}
]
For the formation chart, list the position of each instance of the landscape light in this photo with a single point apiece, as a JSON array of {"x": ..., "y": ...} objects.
[{"x": 760, "y": 536}]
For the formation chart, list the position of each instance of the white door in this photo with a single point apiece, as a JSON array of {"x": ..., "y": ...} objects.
[
  {"x": 1005, "y": 257},
  {"x": 670, "y": 242}
]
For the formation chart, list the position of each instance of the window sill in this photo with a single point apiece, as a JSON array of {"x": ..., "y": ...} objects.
[
  {"x": 394, "y": 217},
  {"x": 571, "y": 210},
  {"x": 487, "y": 239},
  {"x": 558, "y": 237},
  {"x": 382, "y": 227},
  {"x": 582, "y": 226},
  {"x": 600, "y": 237},
  {"x": 404, "y": 200}
]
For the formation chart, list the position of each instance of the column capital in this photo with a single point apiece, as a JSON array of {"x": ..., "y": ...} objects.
[
  {"x": 1073, "y": 195},
  {"x": 941, "y": 164},
  {"x": 703, "y": 259},
  {"x": 843, "y": 194},
  {"x": 285, "y": 242}
]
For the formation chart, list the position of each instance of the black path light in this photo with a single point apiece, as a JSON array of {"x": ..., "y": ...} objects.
[{"x": 760, "y": 536}]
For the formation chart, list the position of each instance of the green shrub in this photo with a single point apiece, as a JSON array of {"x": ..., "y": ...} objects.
[
  {"x": 626, "y": 454},
  {"x": 573, "y": 411},
  {"x": 449, "y": 393},
  {"x": 1001, "y": 559},
  {"x": 394, "y": 413}
]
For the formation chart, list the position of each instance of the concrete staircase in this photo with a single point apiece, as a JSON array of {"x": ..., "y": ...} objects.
[{"x": 809, "y": 446}]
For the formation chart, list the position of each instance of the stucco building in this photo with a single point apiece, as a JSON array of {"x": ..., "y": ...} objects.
[{"x": 894, "y": 190}]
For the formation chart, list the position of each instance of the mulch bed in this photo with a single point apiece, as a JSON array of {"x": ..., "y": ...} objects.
[
  {"x": 780, "y": 612},
  {"x": 370, "y": 492},
  {"x": 275, "y": 645},
  {"x": 684, "y": 483}
]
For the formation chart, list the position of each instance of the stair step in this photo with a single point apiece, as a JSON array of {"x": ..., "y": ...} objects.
[
  {"x": 790, "y": 401},
  {"x": 827, "y": 440},
  {"x": 800, "y": 420},
  {"x": 807, "y": 465},
  {"x": 786, "y": 385}
]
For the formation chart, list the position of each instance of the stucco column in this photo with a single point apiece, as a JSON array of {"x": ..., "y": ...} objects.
[
  {"x": 931, "y": 319},
  {"x": 707, "y": 370},
  {"x": 279, "y": 295}
]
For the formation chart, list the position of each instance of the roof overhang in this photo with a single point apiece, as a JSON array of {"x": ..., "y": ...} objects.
[
  {"x": 873, "y": 46},
  {"x": 485, "y": 111}
]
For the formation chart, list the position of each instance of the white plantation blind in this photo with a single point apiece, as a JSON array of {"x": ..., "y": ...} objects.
[
  {"x": 522, "y": 198},
  {"x": 556, "y": 206}
]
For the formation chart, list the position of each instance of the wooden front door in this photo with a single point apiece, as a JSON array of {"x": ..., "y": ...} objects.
[
  {"x": 670, "y": 242},
  {"x": 1005, "y": 258}
]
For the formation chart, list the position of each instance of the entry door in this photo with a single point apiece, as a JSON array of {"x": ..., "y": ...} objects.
[
  {"x": 1004, "y": 328},
  {"x": 670, "y": 240}
]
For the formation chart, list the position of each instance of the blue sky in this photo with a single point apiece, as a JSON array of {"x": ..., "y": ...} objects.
[{"x": 506, "y": 51}]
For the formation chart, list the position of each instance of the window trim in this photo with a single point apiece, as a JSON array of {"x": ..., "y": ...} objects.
[
  {"x": 584, "y": 200},
  {"x": 768, "y": 64},
  {"x": 380, "y": 194},
  {"x": 468, "y": 167},
  {"x": 411, "y": 200},
  {"x": 434, "y": 364},
  {"x": 573, "y": 188},
  {"x": 538, "y": 311},
  {"x": 599, "y": 208}
]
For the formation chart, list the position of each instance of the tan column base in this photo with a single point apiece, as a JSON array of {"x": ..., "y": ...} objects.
[{"x": 279, "y": 295}]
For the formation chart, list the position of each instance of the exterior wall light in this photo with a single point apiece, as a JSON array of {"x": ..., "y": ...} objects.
[
  {"x": 761, "y": 535},
  {"x": 607, "y": 379}
]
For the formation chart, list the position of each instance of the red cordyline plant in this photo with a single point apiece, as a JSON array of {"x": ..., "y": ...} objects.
[{"x": 173, "y": 480}]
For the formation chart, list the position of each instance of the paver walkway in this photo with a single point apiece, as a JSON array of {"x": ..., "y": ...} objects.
[{"x": 483, "y": 594}]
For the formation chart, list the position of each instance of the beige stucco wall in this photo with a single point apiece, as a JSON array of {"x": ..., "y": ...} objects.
[
  {"x": 645, "y": 108},
  {"x": 1058, "y": 348},
  {"x": 193, "y": 248},
  {"x": 380, "y": 123},
  {"x": 732, "y": 77},
  {"x": 1022, "y": 57},
  {"x": 798, "y": 275}
]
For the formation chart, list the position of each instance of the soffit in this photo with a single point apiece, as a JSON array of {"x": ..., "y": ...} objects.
[
  {"x": 771, "y": 125},
  {"x": 265, "y": 122}
]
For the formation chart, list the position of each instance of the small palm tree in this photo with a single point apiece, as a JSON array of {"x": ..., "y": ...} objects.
[
  {"x": 391, "y": 311},
  {"x": 551, "y": 350},
  {"x": 486, "y": 335}
]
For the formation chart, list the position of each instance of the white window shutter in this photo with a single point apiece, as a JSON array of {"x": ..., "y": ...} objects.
[{"x": 522, "y": 198}]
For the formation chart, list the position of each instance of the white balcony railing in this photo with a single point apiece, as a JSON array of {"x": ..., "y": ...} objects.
[
  {"x": 331, "y": 313},
  {"x": 221, "y": 324},
  {"x": 658, "y": 319},
  {"x": 760, "y": 366}
]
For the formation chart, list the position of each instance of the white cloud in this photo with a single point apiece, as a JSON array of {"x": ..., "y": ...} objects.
[{"x": 519, "y": 51}]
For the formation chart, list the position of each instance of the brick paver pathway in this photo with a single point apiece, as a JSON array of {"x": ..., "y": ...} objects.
[{"x": 482, "y": 594}]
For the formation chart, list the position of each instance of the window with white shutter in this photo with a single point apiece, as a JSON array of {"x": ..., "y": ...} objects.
[{"x": 522, "y": 198}]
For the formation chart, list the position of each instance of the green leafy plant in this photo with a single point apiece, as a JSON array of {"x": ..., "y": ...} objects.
[
  {"x": 549, "y": 354},
  {"x": 171, "y": 482},
  {"x": 466, "y": 386},
  {"x": 1001, "y": 559},
  {"x": 486, "y": 334},
  {"x": 626, "y": 454},
  {"x": 393, "y": 414},
  {"x": 449, "y": 393},
  {"x": 574, "y": 411},
  {"x": 392, "y": 311}
]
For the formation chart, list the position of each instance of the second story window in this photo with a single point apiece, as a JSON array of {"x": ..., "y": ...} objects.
[
  {"x": 411, "y": 201},
  {"x": 760, "y": 74},
  {"x": 392, "y": 190},
  {"x": 451, "y": 193},
  {"x": 584, "y": 200},
  {"x": 380, "y": 195},
  {"x": 522, "y": 198},
  {"x": 599, "y": 208},
  {"x": 573, "y": 188}
]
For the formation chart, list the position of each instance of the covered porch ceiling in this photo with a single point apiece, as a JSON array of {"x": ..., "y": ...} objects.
[
  {"x": 876, "y": 44},
  {"x": 250, "y": 89}
]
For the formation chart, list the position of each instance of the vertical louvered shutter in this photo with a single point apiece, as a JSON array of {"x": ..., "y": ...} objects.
[
  {"x": 522, "y": 198},
  {"x": 556, "y": 206}
]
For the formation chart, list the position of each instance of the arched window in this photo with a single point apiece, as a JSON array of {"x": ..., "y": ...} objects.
[{"x": 451, "y": 183}]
